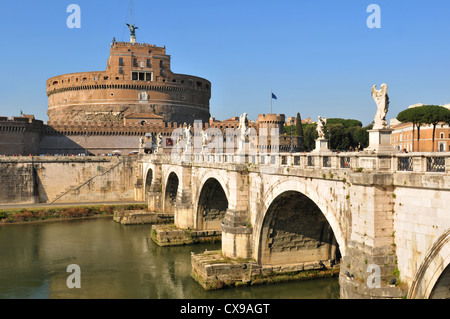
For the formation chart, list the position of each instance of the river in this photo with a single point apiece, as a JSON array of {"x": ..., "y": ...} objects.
[{"x": 116, "y": 261}]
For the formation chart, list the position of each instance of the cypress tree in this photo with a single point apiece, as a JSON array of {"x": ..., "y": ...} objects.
[{"x": 299, "y": 131}]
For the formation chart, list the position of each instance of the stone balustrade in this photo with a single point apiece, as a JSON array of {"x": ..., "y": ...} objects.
[{"x": 356, "y": 161}]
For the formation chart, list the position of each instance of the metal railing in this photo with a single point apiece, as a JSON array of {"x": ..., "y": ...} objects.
[
  {"x": 405, "y": 164},
  {"x": 436, "y": 164},
  {"x": 344, "y": 162}
]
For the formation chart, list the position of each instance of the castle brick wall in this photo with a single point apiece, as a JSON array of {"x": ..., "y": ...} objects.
[{"x": 19, "y": 136}]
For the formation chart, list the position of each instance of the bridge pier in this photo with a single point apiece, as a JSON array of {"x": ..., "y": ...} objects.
[
  {"x": 370, "y": 262},
  {"x": 184, "y": 206},
  {"x": 154, "y": 200},
  {"x": 236, "y": 235}
]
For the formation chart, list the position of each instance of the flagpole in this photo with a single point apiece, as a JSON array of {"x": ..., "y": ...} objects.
[{"x": 271, "y": 101}]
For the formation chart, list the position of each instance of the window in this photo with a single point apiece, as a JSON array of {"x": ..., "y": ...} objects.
[
  {"x": 135, "y": 62},
  {"x": 149, "y": 63},
  {"x": 121, "y": 62},
  {"x": 121, "y": 70},
  {"x": 142, "y": 76},
  {"x": 442, "y": 135},
  {"x": 161, "y": 64}
]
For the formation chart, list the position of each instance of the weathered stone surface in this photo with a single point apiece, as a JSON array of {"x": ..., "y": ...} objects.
[
  {"x": 170, "y": 235},
  {"x": 214, "y": 271},
  {"x": 66, "y": 179},
  {"x": 141, "y": 217}
]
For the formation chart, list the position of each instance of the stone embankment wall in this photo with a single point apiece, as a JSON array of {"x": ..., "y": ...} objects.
[{"x": 66, "y": 179}]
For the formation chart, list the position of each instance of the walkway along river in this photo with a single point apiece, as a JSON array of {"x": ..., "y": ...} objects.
[{"x": 117, "y": 261}]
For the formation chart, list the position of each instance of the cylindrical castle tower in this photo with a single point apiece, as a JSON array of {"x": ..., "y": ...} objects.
[
  {"x": 271, "y": 121},
  {"x": 138, "y": 79}
]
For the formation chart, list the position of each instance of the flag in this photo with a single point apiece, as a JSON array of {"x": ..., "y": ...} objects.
[
  {"x": 274, "y": 96},
  {"x": 21, "y": 113}
]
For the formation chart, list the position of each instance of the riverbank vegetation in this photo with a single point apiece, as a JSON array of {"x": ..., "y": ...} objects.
[{"x": 10, "y": 216}]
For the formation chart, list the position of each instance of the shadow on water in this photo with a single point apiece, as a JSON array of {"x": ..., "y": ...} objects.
[{"x": 117, "y": 261}]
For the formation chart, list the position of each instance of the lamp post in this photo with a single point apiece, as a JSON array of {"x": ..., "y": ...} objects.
[
  {"x": 292, "y": 138},
  {"x": 85, "y": 140}
]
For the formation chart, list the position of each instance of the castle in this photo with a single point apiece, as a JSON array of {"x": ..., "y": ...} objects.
[{"x": 138, "y": 81}]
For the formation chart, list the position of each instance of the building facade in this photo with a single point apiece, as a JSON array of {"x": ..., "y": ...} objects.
[
  {"x": 406, "y": 137},
  {"x": 403, "y": 138}
]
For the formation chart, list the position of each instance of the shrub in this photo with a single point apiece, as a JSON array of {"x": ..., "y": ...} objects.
[
  {"x": 106, "y": 210},
  {"x": 24, "y": 215}
]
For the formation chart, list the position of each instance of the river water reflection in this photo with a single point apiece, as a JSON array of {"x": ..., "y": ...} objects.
[{"x": 116, "y": 261}]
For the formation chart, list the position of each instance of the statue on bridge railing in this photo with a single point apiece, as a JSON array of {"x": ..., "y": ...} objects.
[
  {"x": 158, "y": 140},
  {"x": 187, "y": 135},
  {"x": 243, "y": 127},
  {"x": 204, "y": 139},
  {"x": 321, "y": 122},
  {"x": 382, "y": 100},
  {"x": 244, "y": 131}
]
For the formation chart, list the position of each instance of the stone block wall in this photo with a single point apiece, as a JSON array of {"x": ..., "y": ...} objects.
[
  {"x": 17, "y": 183},
  {"x": 66, "y": 179}
]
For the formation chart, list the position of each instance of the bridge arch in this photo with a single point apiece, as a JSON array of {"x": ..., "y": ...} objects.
[
  {"x": 212, "y": 205},
  {"x": 433, "y": 270},
  {"x": 218, "y": 177},
  {"x": 170, "y": 192},
  {"x": 293, "y": 194},
  {"x": 148, "y": 181}
]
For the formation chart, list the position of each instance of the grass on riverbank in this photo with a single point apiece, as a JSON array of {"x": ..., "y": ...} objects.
[{"x": 10, "y": 216}]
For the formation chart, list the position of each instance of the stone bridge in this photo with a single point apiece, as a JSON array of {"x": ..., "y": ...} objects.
[{"x": 379, "y": 217}]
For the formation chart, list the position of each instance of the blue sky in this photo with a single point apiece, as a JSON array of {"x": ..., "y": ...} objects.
[{"x": 319, "y": 57}]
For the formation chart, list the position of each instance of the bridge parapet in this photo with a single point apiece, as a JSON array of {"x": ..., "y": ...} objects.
[{"x": 357, "y": 161}]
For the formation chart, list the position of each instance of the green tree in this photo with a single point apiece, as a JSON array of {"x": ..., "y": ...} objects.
[
  {"x": 339, "y": 137},
  {"x": 434, "y": 114},
  {"x": 342, "y": 134},
  {"x": 416, "y": 116},
  {"x": 310, "y": 135},
  {"x": 347, "y": 123},
  {"x": 360, "y": 136},
  {"x": 299, "y": 131}
]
